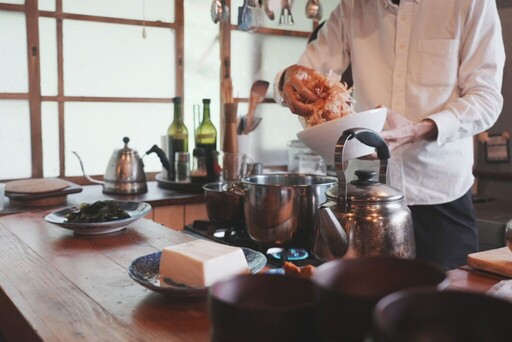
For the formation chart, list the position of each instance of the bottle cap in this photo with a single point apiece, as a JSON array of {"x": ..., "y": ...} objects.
[
  {"x": 176, "y": 99},
  {"x": 206, "y": 101}
]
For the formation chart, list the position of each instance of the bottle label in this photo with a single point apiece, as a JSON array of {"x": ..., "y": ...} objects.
[{"x": 206, "y": 136}]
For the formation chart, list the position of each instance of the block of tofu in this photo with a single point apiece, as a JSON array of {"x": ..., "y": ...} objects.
[{"x": 200, "y": 263}]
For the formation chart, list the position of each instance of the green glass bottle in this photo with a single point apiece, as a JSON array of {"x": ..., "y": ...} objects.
[
  {"x": 177, "y": 136},
  {"x": 206, "y": 138}
]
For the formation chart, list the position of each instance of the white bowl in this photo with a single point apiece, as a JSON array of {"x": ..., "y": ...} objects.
[{"x": 322, "y": 138}]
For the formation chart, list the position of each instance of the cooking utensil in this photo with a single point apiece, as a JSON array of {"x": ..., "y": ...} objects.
[
  {"x": 347, "y": 291},
  {"x": 368, "y": 217},
  {"x": 255, "y": 124},
  {"x": 219, "y": 11},
  {"x": 258, "y": 92},
  {"x": 268, "y": 11},
  {"x": 280, "y": 209},
  {"x": 124, "y": 174},
  {"x": 286, "y": 17},
  {"x": 314, "y": 9},
  {"x": 498, "y": 261},
  {"x": 423, "y": 315}
]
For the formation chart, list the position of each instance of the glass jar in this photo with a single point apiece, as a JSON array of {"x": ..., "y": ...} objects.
[
  {"x": 294, "y": 148},
  {"x": 182, "y": 167},
  {"x": 199, "y": 171}
]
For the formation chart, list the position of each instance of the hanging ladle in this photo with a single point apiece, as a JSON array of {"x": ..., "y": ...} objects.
[{"x": 314, "y": 9}]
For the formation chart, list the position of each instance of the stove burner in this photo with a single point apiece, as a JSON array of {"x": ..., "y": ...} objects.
[
  {"x": 290, "y": 254},
  {"x": 240, "y": 238}
]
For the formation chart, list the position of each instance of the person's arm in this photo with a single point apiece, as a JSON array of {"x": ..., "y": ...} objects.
[{"x": 323, "y": 54}]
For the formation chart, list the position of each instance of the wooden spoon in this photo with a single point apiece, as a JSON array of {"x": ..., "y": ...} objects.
[{"x": 258, "y": 91}]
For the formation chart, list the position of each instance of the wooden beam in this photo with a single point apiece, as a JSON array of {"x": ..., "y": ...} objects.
[
  {"x": 107, "y": 99},
  {"x": 179, "y": 22},
  {"x": 34, "y": 84},
  {"x": 113, "y": 20}
]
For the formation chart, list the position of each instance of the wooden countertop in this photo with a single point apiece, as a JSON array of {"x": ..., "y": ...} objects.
[
  {"x": 156, "y": 196},
  {"x": 56, "y": 286}
]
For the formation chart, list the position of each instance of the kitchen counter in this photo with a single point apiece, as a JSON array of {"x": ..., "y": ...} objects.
[
  {"x": 57, "y": 286},
  {"x": 156, "y": 196}
]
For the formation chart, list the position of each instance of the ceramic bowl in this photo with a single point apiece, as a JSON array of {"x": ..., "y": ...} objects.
[
  {"x": 423, "y": 315},
  {"x": 322, "y": 138}
]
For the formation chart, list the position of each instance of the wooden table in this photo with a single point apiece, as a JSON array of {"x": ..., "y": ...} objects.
[{"x": 56, "y": 286}]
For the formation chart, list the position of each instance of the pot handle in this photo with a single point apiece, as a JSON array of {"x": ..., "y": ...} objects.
[{"x": 367, "y": 137}]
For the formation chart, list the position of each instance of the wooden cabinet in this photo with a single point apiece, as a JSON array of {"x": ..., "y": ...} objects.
[{"x": 176, "y": 216}]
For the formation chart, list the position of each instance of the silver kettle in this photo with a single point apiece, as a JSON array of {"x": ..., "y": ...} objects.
[
  {"x": 364, "y": 217},
  {"x": 125, "y": 172}
]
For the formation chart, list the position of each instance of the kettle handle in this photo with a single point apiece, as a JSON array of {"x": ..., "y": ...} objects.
[
  {"x": 161, "y": 155},
  {"x": 367, "y": 137}
]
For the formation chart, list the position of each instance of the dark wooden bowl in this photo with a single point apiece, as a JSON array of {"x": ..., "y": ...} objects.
[
  {"x": 348, "y": 289},
  {"x": 262, "y": 307},
  {"x": 429, "y": 316}
]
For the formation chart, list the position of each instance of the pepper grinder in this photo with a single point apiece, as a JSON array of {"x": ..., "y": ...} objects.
[{"x": 230, "y": 145}]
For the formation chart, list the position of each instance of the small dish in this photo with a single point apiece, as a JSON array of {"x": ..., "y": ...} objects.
[
  {"x": 145, "y": 271},
  {"x": 136, "y": 210}
]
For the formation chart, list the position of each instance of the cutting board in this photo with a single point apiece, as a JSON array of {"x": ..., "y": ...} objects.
[
  {"x": 497, "y": 261},
  {"x": 40, "y": 192}
]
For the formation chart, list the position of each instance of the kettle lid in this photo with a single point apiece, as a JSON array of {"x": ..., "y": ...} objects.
[
  {"x": 125, "y": 151},
  {"x": 365, "y": 189}
]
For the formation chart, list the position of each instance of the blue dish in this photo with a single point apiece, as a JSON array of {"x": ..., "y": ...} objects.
[{"x": 145, "y": 271}]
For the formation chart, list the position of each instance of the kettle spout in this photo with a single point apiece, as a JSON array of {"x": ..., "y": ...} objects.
[
  {"x": 90, "y": 179},
  {"x": 330, "y": 239}
]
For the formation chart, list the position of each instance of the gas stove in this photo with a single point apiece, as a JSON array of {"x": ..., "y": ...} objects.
[{"x": 240, "y": 238}]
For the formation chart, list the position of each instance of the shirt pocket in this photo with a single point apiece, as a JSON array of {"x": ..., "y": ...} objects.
[{"x": 439, "y": 62}]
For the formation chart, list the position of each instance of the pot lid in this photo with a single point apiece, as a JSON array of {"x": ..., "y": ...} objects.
[{"x": 365, "y": 189}]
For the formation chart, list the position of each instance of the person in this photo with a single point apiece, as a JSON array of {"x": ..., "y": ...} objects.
[{"x": 437, "y": 65}]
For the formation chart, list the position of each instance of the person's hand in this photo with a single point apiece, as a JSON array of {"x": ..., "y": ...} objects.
[
  {"x": 402, "y": 131},
  {"x": 294, "y": 91}
]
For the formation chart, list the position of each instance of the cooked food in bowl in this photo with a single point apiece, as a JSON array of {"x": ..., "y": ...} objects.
[
  {"x": 322, "y": 138},
  {"x": 99, "y": 211},
  {"x": 334, "y": 98}
]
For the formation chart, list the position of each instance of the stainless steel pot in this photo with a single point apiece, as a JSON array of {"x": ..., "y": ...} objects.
[
  {"x": 224, "y": 205},
  {"x": 280, "y": 209}
]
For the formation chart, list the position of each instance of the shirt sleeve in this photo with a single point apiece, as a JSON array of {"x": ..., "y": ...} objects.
[{"x": 480, "y": 76}]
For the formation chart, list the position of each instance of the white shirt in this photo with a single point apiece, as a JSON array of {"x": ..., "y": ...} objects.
[{"x": 437, "y": 59}]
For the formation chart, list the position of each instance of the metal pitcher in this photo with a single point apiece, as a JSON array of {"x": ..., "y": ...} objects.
[{"x": 364, "y": 217}]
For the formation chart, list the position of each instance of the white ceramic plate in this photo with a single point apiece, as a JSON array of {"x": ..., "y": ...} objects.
[
  {"x": 322, "y": 138},
  {"x": 136, "y": 210},
  {"x": 145, "y": 271}
]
